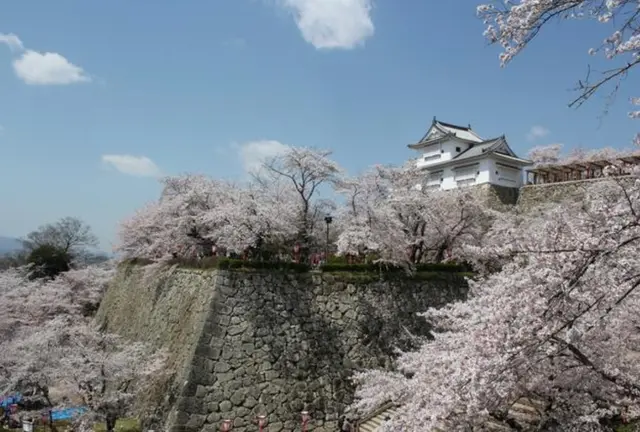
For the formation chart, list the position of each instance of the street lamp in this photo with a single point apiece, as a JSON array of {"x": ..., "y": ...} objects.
[
  {"x": 328, "y": 219},
  {"x": 226, "y": 425},
  {"x": 305, "y": 420},
  {"x": 262, "y": 422}
]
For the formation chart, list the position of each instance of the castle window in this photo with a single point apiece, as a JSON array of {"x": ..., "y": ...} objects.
[
  {"x": 458, "y": 149},
  {"x": 431, "y": 157}
]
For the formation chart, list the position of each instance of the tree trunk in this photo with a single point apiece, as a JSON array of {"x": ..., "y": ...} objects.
[
  {"x": 440, "y": 254},
  {"x": 111, "y": 422}
]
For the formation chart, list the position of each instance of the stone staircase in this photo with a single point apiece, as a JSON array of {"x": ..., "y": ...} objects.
[{"x": 525, "y": 412}]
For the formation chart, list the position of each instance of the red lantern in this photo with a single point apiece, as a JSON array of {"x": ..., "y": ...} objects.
[
  {"x": 262, "y": 422},
  {"x": 13, "y": 408},
  {"x": 305, "y": 420},
  {"x": 226, "y": 425}
]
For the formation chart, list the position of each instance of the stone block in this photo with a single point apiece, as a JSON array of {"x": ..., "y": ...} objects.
[{"x": 272, "y": 343}]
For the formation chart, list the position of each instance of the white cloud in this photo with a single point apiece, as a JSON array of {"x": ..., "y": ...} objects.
[
  {"x": 330, "y": 24},
  {"x": 254, "y": 153},
  {"x": 139, "y": 166},
  {"x": 12, "y": 41},
  {"x": 47, "y": 69},
  {"x": 537, "y": 132}
]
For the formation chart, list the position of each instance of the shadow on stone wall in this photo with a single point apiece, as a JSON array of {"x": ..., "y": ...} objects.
[{"x": 278, "y": 343}]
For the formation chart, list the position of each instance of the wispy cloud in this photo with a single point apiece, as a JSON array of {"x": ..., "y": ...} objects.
[
  {"x": 254, "y": 153},
  {"x": 12, "y": 41},
  {"x": 38, "y": 68},
  {"x": 332, "y": 24},
  {"x": 138, "y": 166},
  {"x": 537, "y": 132}
]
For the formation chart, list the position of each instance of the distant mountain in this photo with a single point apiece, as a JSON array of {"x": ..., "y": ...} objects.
[{"x": 9, "y": 244}]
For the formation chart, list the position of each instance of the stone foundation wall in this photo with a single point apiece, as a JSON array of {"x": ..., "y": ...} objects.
[
  {"x": 534, "y": 196},
  {"x": 274, "y": 343},
  {"x": 499, "y": 197}
]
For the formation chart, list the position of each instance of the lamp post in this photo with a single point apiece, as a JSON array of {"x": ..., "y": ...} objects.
[
  {"x": 262, "y": 422},
  {"x": 226, "y": 425},
  {"x": 305, "y": 420},
  {"x": 328, "y": 219}
]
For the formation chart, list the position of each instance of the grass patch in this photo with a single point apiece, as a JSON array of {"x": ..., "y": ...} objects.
[
  {"x": 633, "y": 426},
  {"x": 123, "y": 425}
]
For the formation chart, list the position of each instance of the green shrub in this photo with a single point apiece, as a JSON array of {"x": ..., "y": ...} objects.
[
  {"x": 137, "y": 261},
  {"x": 49, "y": 261},
  {"x": 337, "y": 259},
  {"x": 335, "y": 264},
  {"x": 232, "y": 264},
  {"x": 122, "y": 425},
  {"x": 205, "y": 263},
  {"x": 442, "y": 267},
  {"x": 385, "y": 268}
]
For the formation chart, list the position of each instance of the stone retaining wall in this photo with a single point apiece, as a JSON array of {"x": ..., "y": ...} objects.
[
  {"x": 533, "y": 196},
  {"x": 272, "y": 343}
]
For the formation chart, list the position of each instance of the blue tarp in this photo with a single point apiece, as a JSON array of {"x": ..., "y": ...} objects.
[
  {"x": 5, "y": 401},
  {"x": 68, "y": 413},
  {"x": 60, "y": 414}
]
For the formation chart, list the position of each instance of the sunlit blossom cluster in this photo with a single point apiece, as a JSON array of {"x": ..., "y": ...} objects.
[
  {"x": 558, "y": 324},
  {"x": 383, "y": 214},
  {"x": 48, "y": 340}
]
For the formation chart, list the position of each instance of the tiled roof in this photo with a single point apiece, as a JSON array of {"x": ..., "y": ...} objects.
[
  {"x": 484, "y": 147},
  {"x": 444, "y": 129},
  {"x": 461, "y": 132}
]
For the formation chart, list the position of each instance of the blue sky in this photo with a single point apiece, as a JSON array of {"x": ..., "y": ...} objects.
[{"x": 209, "y": 85}]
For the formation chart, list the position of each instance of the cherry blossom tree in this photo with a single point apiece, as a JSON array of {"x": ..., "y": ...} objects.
[
  {"x": 48, "y": 340},
  {"x": 391, "y": 214},
  {"x": 197, "y": 213},
  {"x": 552, "y": 155},
  {"x": 558, "y": 324},
  {"x": 545, "y": 155},
  {"x": 298, "y": 174},
  {"x": 29, "y": 306},
  {"x": 515, "y": 24}
]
